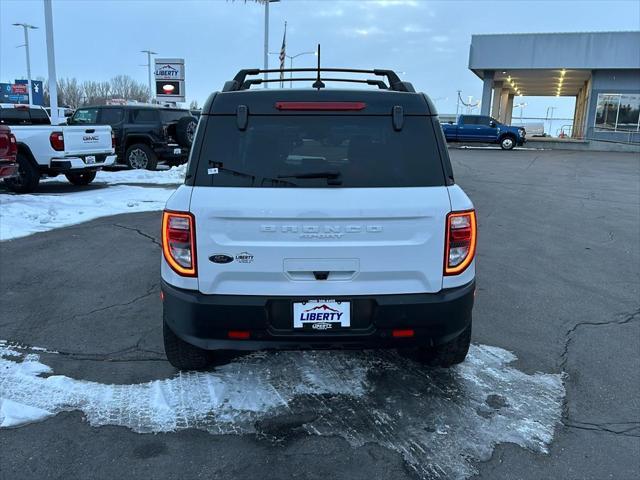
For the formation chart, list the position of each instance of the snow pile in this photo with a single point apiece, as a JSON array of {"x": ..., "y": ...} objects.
[
  {"x": 440, "y": 421},
  {"x": 126, "y": 191},
  {"x": 22, "y": 215}
]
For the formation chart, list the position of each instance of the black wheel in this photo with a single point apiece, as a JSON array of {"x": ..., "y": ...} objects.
[
  {"x": 186, "y": 131},
  {"x": 28, "y": 176},
  {"x": 447, "y": 354},
  {"x": 183, "y": 355},
  {"x": 507, "y": 142},
  {"x": 84, "y": 178},
  {"x": 140, "y": 156}
]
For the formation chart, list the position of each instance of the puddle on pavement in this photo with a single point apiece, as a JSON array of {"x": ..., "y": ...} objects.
[{"x": 440, "y": 421}]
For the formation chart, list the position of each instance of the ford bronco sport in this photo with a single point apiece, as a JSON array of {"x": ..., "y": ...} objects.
[{"x": 318, "y": 218}]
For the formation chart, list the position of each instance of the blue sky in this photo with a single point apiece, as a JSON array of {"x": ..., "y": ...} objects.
[{"x": 429, "y": 40}]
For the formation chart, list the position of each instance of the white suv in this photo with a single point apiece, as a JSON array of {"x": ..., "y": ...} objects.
[{"x": 318, "y": 218}]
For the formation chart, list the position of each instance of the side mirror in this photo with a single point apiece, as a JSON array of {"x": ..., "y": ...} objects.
[{"x": 492, "y": 124}]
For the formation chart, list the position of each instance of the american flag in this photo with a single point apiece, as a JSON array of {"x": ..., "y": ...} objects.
[{"x": 283, "y": 55}]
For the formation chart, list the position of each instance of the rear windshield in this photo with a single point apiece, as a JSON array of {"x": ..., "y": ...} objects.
[
  {"x": 319, "y": 151},
  {"x": 167, "y": 116}
]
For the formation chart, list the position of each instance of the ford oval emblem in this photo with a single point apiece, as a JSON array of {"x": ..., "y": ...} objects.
[{"x": 221, "y": 258}]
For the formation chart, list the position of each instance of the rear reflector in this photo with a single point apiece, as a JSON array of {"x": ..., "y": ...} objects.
[
  {"x": 239, "y": 334},
  {"x": 336, "y": 106},
  {"x": 402, "y": 333},
  {"x": 460, "y": 242},
  {"x": 179, "y": 242}
]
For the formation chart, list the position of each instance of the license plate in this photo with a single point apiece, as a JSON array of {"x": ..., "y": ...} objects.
[
  {"x": 89, "y": 159},
  {"x": 177, "y": 151},
  {"x": 321, "y": 314}
]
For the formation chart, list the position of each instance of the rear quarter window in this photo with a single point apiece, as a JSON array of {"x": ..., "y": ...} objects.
[{"x": 305, "y": 151}]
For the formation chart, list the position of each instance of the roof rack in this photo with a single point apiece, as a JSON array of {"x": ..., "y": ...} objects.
[{"x": 240, "y": 81}]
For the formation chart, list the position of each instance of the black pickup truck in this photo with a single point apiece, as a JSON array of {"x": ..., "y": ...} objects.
[{"x": 144, "y": 134}]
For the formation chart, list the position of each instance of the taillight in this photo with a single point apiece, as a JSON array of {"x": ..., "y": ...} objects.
[
  {"x": 57, "y": 141},
  {"x": 460, "y": 244},
  {"x": 113, "y": 140},
  {"x": 179, "y": 242}
]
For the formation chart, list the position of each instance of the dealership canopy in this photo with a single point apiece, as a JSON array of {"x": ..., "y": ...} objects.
[{"x": 600, "y": 69}]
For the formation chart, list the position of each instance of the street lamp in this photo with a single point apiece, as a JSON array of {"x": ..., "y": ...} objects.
[
  {"x": 149, "y": 53},
  {"x": 521, "y": 105},
  {"x": 26, "y": 27},
  {"x": 291, "y": 58}
]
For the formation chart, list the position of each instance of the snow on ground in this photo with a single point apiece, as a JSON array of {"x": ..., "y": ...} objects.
[
  {"x": 125, "y": 191},
  {"x": 441, "y": 421}
]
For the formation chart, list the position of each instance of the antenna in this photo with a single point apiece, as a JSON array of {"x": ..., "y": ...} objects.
[{"x": 318, "y": 83}]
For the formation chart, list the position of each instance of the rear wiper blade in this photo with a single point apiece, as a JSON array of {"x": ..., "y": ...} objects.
[
  {"x": 251, "y": 176},
  {"x": 331, "y": 175}
]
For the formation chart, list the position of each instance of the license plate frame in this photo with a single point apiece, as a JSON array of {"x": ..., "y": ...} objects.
[
  {"x": 90, "y": 159},
  {"x": 321, "y": 314},
  {"x": 177, "y": 151}
]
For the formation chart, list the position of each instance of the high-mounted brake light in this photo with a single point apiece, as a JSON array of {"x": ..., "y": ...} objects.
[
  {"x": 337, "y": 106},
  {"x": 56, "y": 139},
  {"x": 179, "y": 242},
  {"x": 460, "y": 241}
]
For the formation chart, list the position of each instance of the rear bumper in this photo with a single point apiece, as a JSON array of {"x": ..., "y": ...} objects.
[
  {"x": 205, "y": 320},
  {"x": 66, "y": 164}
]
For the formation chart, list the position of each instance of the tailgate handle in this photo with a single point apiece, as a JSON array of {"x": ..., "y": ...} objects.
[
  {"x": 90, "y": 130},
  {"x": 321, "y": 275}
]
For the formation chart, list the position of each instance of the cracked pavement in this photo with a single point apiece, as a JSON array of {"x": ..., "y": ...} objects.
[{"x": 558, "y": 285}]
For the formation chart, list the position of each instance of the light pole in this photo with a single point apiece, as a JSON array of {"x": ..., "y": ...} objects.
[
  {"x": 291, "y": 58},
  {"x": 26, "y": 27},
  {"x": 149, "y": 53},
  {"x": 266, "y": 39},
  {"x": 550, "y": 119},
  {"x": 521, "y": 105},
  {"x": 51, "y": 62}
]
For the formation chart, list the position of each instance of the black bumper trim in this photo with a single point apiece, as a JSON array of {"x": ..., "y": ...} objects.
[{"x": 204, "y": 320}]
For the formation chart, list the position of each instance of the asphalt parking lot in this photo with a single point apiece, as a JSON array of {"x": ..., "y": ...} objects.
[{"x": 558, "y": 285}]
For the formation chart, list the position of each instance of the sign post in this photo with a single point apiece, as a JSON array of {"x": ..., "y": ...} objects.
[{"x": 169, "y": 78}]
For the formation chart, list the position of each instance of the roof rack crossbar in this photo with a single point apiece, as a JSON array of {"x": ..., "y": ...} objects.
[
  {"x": 240, "y": 81},
  {"x": 258, "y": 81}
]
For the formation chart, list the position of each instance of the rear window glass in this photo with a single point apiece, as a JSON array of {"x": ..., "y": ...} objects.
[
  {"x": 167, "y": 116},
  {"x": 111, "y": 116},
  {"x": 14, "y": 116},
  {"x": 39, "y": 117},
  {"x": 144, "y": 116},
  {"x": 85, "y": 115},
  {"x": 319, "y": 151}
]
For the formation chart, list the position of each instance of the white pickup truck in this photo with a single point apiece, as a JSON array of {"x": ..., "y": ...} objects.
[{"x": 77, "y": 152}]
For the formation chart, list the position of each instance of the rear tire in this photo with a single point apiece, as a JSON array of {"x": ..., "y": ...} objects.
[
  {"x": 507, "y": 142},
  {"x": 81, "y": 179},
  {"x": 183, "y": 355},
  {"x": 28, "y": 176},
  {"x": 185, "y": 131},
  {"x": 140, "y": 156},
  {"x": 447, "y": 354}
]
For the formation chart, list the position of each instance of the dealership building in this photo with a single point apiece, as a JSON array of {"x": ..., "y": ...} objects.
[{"x": 600, "y": 69}]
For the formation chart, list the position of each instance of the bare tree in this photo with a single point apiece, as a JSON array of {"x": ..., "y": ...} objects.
[{"x": 193, "y": 105}]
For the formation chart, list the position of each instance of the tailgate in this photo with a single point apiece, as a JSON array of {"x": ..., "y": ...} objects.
[
  {"x": 368, "y": 241},
  {"x": 86, "y": 139}
]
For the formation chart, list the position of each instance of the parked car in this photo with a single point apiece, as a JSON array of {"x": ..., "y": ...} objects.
[
  {"x": 483, "y": 129},
  {"x": 8, "y": 152},
  {"x": 318, "y": 218},
  {"x": 78, "y": 151},
  {"x": 144, "y": 134}
]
